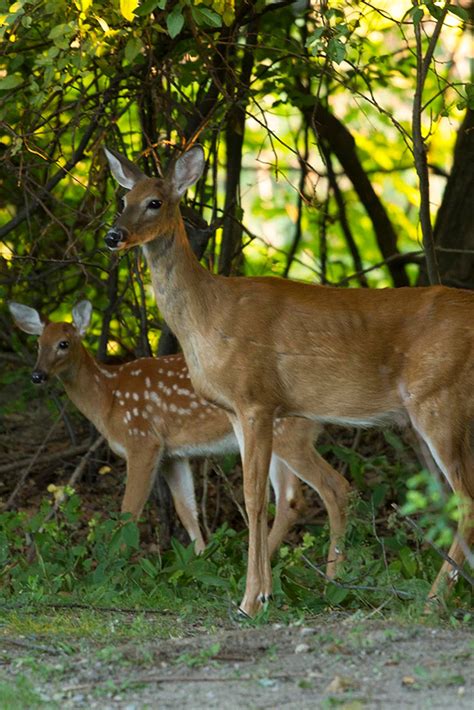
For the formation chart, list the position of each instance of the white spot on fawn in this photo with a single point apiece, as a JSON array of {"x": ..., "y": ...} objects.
[
  {"x": 147, "y": 382},
  {"x": 135, "y": 397},
  {"x": 107, "y": 373}
]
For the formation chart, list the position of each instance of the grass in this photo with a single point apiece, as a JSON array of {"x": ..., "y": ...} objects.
[{"x": 19, "y": 693}]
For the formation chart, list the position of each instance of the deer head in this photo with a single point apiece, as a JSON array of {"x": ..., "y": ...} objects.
[
  {"x": 59, "y": 344},
  {"x": 151, "y": 205}
]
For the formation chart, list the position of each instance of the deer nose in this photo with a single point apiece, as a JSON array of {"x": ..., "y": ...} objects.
[
  {"x": 114, "y": 237},
  {"x": 38, "y": 377}
]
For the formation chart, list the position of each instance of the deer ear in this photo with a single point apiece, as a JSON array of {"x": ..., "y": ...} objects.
[
  {"x": 26, "y": 318},
  {"x": 81, "y": 316},
  {"x": 124, "y": 171},
  {"x": 187, "y": 170}
]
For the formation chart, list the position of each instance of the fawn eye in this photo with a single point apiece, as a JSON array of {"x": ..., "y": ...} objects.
[
  {"x": 154, "y": 205},
  {"x": 63, "y": 344}
]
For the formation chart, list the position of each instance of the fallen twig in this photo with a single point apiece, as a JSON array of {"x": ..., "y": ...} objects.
[
  {"x": 188, "y": 679},
  {"x": 31, "y": 645},
  {"x": 48, "y": 458},
  {"x": 361, "y": 587}
]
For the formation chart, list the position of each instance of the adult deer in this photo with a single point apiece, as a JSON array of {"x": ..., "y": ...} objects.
[
  {"x": 147, "y": 409},
  {"x": 267, "y": 347}
]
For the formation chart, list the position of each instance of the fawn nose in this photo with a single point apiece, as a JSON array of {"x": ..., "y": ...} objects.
[
  {"x": 38, "y": 377},
  {"x": 114, "y": 237}
]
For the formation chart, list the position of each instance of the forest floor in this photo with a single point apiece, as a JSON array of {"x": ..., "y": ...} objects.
[
  {"x": 79, "y": 657},
  {"x": 352, "y": 662}
]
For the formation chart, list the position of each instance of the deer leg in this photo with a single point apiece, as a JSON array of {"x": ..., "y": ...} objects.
[
  {"x": 452, "y": 452},
  {"x": 254, "y": 431},
  {"x": 141, "y": 471},
  {"x": 179, "y": 477},
  {"x": 289, "y": 502},
  {"x": 334, "y": 491}
]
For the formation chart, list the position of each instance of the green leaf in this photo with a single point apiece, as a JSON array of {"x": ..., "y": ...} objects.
[
  {"x": 10, "y": 82},
  {"x": 408, "y": 561},
  {"x": 63, "y": 30},
  {"x": 417, "y": 15},
  {"x": 148, "y": 567},
  {"x": 335, "y": 595},
  {"x": 204, "y": 16},
  {"x": 175, "y": 22},
  {"x": 133, "y": 47},
  {"x": 148, "y": 6},
  {"x": 435, "y": 10},
  {"x": 130, "y": 535},
  {"x": 394, "y": 440},
  {"x": 336, "y": 50},
  {"x": 459, "y": 11},
  {"x": 470, "y": 95}
]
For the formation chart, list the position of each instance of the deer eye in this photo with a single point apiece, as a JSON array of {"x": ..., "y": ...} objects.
[
  {"x": 63, "y": 344},
  {"x": 154, "y": 205},
  {"x": 121, "y": 204}
]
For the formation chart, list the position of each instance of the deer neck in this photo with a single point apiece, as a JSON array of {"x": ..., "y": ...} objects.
[
  {"x": 183, "y": 288},
  {"x": 89, "y": 388}
]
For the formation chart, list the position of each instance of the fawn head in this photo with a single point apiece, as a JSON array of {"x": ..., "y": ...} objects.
[
  {"x": 59, "y": 343},
  {"x": 150, "y": 206}
]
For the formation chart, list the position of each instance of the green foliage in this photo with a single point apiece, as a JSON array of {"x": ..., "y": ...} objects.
[
  {"x": 47, "y": 558},
  {"x": 426, "y": 495},
  {"x": 135, "y": 76}
]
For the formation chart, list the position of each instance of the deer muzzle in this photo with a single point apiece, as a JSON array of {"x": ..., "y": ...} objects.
[
  {"x": 38, "y": 377},
  {"x": 115, "y": 238}
]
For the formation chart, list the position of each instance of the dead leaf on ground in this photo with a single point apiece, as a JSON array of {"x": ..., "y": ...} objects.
[{"x": 341, "y": 683}]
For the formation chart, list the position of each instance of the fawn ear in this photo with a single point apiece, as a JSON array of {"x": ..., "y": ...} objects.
[
  {"x": 26, "y": 318},
  {"x": 81, "y": 316},
  {"x": 124, "y": 171},
  {"x": 187, "y": 169}
]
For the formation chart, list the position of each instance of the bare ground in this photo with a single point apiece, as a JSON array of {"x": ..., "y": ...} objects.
[{"x": 353, "y": 663}]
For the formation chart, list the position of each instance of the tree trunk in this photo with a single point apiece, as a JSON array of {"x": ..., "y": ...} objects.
[{"x": 454, "y": 227}]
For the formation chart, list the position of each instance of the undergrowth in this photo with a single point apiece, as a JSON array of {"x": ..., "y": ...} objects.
[{"x": 63, "y": 559}]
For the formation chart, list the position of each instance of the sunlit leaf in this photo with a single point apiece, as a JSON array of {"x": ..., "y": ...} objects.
[
  {"x": 127, "y": 8},
  {"x": 102, "y": 23}
]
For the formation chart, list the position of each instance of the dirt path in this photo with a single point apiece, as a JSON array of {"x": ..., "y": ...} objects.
[{"x": 351, "y": 664}]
